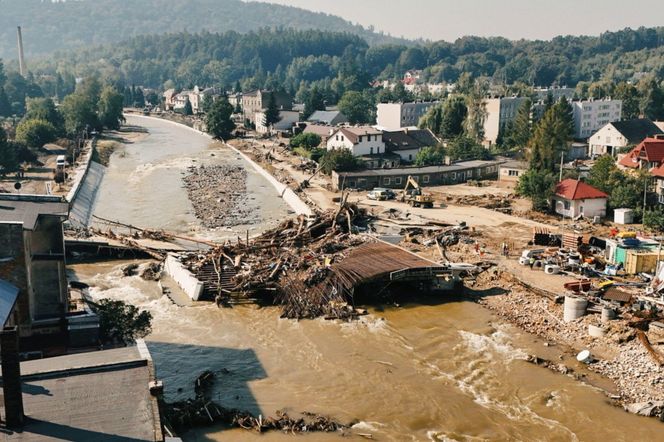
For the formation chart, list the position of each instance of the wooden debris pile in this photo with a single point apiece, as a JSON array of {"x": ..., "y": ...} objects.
[
  {"x": 203, "y": 411},
  {"x": 288, "y": 265}
]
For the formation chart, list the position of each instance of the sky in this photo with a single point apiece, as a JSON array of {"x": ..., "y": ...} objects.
[{"x": 514, "y": 19}]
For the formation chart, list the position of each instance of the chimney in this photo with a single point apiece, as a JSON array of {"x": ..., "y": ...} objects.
[
  {"x": 21, "y": 57},
  {"x": 11, "y": 377}
]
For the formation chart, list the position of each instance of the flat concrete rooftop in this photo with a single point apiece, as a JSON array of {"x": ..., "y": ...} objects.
[{"x": 95, "y": 396}]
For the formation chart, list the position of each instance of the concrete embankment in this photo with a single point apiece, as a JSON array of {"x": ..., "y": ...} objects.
[{"x": 87, "y": 178}]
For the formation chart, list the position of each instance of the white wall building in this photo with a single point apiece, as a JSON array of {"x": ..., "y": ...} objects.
[
  {"x": 360, "y": 140},
  {"x": 591, "y": 115},
  {"x": 613, "y": 136},
  {"x": 499, "y": 112},
  {"x": 286, "y": 121},
  {"x": 394, "y": 116},
  {"x": 575, "y": 198}
]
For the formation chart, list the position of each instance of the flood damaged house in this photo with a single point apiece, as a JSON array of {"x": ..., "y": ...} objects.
[{"x": 32, "y": 258}]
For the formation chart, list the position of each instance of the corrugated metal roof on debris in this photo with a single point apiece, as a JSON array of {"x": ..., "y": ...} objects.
[{"x": 614, "y": 294}]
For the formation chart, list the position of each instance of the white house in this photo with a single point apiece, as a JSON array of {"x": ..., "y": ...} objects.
[
  {"x": 408, "y": 142},
  {"x": 360, "y": 140},
  {"x": 286, "y": 121},
  {"x": 591, "y": 115},
  {"x": 574, "y": 198},
  {"x": 511, "y": 171},
  {"x": 619, "y": 134},
  {"x": 394, "y": 116}
]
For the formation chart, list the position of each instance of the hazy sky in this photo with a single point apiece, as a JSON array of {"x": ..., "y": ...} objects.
[{"x": 514, "y": 19}]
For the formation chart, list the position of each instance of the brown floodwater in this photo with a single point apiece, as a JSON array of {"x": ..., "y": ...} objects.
[{"x": 442, "y": 370}]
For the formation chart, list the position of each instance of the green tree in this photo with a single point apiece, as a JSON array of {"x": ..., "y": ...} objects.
[
  {"x": 315, "y": 101},
  {"x": 139, "y": 97},
  {"x": 549, "y": 140},
  {"x": 654, "y": 219},
  {"x": 630, "y": 100},
  {"x": 79, "y": 112},
  {"x": 207, "y": 103},
  {"x": 44, "y": 109},
  {"x": 603, "y": 174},
  {"x": 521, "y": 129},
  {"x": 306, "y": 140},
  {"x": 429, "y": 156},
  {"x": 432, "y": 119},
  {"x": 110, "y": 108},
  {"x": 121, "y": 322},
  {"x": 8, "y": 159},
  {"x": 340, "y": 160},
  {"x": 271, "y": 111},
  {"x": 538, "y": 186},
  {"x": 187, "y": 110},
  {"x": 651, "y": 104},
  {"x": 5, "y": 105},
  {"x": 35, "y": 133},
  {"x": 356, "y": 107},
  {"x": 454, "y": 114},
  {"x": 465, "y": 148},
  {"x": 476, "y": 105},
  {"x": 218, "y": 120}
]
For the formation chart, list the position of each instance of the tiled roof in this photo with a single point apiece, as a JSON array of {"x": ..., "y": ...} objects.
[
  {"x": 637, "y": 129},
  {"x": 409, "y": 139},
  {"x": 353, "y": 133},
  {"x": 650, "y": 149},
  {"x": 578, "y": 190}
]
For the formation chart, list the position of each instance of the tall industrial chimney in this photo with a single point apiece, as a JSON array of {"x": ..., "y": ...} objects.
[{"x": 21, "y": 57}]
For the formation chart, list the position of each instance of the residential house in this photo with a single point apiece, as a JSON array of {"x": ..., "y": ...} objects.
[
  {"x": 169, "y": 99},
  {"x": 285, "y": 124},
  {"x": 499, "y": 112},
  {"x": 394, "y": 116},
  {"x": 257, "y": 101},
  {"x": 330, "y": 118},
  {"x": 574, "y": 198},
  {"x": 511, "y": 171},
  {"x": 180, "y": 101},
  {"x": 591, "y": 115},
  {"x": 32, "y": 258},
  {"x": 412, "y": 77},
  {"x": 396, "y": 178},
  {"x": 408, "y": 142},
  {"x": 658, "y": 175},
  {"x": 619, "y": 134},
  {"x": 360, "y": 140},
  {"x": 647, "y": 155}
]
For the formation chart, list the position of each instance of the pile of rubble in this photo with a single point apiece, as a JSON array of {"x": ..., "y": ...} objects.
[
  {"x": 218, "y": 194},
  {"x": 500, "y": 203},
  {"x": 289, "y": 265},
  {"x": 203, "y": 411}
]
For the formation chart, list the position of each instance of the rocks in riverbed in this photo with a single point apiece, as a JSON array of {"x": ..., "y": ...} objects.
[{"x": 219, "y": 195}]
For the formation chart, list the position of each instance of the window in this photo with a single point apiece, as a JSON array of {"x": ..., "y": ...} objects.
[
  {"x": 397, "y": 180},
  {"x": 360, "y": 138},
  {"x": 513, "y": 173},
  {"x": 470, "y": 174},
  {"x": 454, "y": 175},
  {"x": 566, "y": 205},
  {"x": 371, "y": 151},
  {"x": 425, "y": 178},
  {"x": 378, "y": 149},
  {"x": 410, "y": 157},
  {"x": 386, "y": 181},
  {"x": 336, "y": 137}
]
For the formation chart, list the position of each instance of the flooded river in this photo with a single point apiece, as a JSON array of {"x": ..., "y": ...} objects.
[{"x": 434, "y": 371}]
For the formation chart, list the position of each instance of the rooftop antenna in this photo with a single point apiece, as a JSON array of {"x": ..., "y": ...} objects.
[{"x": 21, "y": 57}]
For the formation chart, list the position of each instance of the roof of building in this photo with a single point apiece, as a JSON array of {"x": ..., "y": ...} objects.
[
  {"x": 328, "y": 117},
  {"x": 401, "y": 171},
  {"x": 519, "y": 165},
  {"x": 637, "y": 129},
  {"x": 650, "y": 149},
  {"x": 101, "y": 395},
  {"x": 577, "y": 190},
  {"x": 353, "y": 133},
  {"x": 8, "y": 296},
  {"x": 407, "y": 139},
  {"x": 26, "y": 209},
  {"x": 318, "y": 129}
]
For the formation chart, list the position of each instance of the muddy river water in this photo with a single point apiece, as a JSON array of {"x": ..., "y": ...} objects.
[{"x": 438, "y": 370}]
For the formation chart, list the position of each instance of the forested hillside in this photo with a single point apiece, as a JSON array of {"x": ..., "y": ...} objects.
[
  {"x": 50, "y": 26},
  {"x": 290, "y": 58}
]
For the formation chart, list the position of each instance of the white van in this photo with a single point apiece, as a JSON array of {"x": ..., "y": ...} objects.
[{"x": 60, "y": 162}]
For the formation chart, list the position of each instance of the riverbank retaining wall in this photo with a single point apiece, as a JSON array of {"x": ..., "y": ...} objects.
[{"x": 183, "y": 277}]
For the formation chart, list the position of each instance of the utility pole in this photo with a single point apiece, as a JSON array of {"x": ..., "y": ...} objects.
[{"x": 562, "y": 155}]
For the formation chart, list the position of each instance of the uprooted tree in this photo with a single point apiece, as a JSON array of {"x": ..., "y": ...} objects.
[{"x": 121, "y": 322}]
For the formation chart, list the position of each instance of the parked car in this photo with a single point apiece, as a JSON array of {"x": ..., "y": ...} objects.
[
  {"x": 389, "y": 193},
  {"x": 377, "y": 195}
]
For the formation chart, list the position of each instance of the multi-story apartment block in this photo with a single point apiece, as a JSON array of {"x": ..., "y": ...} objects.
[
  {"x": 499, "y": 112},
  {"x": 394, "y": 116},
  {"x": 591, "y": 115}
]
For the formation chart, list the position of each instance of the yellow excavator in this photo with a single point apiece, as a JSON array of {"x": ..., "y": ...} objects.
[{"x": 413, "y": 195}]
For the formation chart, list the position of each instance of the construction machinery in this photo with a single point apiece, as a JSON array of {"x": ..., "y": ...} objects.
[{"x": 413, "y": 195}]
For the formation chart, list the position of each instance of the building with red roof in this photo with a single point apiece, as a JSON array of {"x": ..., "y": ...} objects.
[
  {"x": 647, "y": 155},
  {"x": 575, "y": 198}
]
